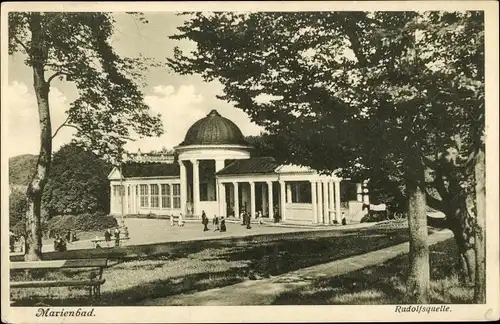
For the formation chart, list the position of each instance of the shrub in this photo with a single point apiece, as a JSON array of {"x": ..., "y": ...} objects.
[{"x": 97, "y": 221}]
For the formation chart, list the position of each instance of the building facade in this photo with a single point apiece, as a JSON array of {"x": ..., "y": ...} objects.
[{"x": 214, "y": 171}]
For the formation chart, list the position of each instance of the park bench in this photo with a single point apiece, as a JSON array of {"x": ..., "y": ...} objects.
[
  {"x": 102, "y": 239},
  {"x": 94, "y": 281}
]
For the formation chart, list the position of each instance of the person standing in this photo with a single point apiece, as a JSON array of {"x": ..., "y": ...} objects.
[
  {"x": 181, "y": 220},
  {"x": 171, "y": 220},
  {"x": 248, "y": 217},
  {"x": 107, "y": 236},
  {"x": 215, "y": 222},
  {"x": 222, "y": 224},
  {"x": 56, "y": 243},
  {"x": 204, "y": 221},
  {"x": 117, "y": 237},
  {"x": 243, "y": 217}
]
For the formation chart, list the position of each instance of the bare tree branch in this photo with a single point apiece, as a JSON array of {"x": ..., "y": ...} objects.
[
  {"x": 62, "y": 125},
  {"x": 21, "y": 43},
  {"x": 55, "y": 75}
]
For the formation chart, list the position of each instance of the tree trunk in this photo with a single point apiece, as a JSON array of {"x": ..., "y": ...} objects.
[
  {"x": 419, "y": 275},
  {"x": 33, "y": 248},
  {"x": 479, "y": 233},
  {"x": 457, "y": 219}
]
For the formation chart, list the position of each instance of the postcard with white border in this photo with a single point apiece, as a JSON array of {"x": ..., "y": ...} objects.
[{"x": 254, "y": 161}]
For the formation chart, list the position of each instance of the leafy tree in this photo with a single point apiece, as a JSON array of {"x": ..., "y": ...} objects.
[
  {"x": 109, "y": 107},
  {"x": 370, "y": 93},
  {"x": 21, "y": 168},
  {"x": 263, "y": 144},
  {"x": 78, "y": 183}
]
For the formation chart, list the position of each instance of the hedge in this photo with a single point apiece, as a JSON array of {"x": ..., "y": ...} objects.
[
  {"x": 148, "y": 216},
  {"x": 80, "y": 223}
]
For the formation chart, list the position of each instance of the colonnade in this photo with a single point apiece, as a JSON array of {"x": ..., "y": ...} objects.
[
  {"x": 267, "y": 192},
  {"x": 325, "y": 196}
]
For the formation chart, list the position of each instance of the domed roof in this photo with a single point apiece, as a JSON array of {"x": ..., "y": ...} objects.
[{"x": 214, "y": 130}]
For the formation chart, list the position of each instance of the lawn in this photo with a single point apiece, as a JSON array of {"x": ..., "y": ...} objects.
[
  {"x": 385, "y": 283},
  {"x": 209, "y": 266}
]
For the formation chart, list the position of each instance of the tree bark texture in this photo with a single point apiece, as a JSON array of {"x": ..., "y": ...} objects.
[
  {"x": 33, "y": 250},
  {"x": 419, "y": 272},
  {"x": 480, "y": 233}
]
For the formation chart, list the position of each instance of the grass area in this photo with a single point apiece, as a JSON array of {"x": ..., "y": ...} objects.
[
  {"x": 203, "y": 267},
  {"x": 385, "y": 283}
]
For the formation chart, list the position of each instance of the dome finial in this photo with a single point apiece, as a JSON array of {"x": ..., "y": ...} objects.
[{"x": 213, "y": 112}]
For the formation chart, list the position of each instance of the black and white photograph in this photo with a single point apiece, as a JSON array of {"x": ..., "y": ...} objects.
[{"x": 335, "y": 160}]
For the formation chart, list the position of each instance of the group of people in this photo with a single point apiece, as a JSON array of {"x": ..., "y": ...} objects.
[
  {"x": 180, "y": 220},
  {"x": 219, "y": 224},
  {"x": 16, "y": 240},
  {"x": 245, "y": 219},
  {"x": 61, "y": 241},
  {"x": 108, "y": 234}
]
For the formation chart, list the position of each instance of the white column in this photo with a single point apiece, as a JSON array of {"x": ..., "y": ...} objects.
[
  {"x": 160, "y": 198},
  {"x": 270, "y": 204},
  {"x": 171, "y": 188},
  {"x": 196, "y": 186},
  {"x": 252, "y": 199},
  {"x": 331, "y": 196},
  {"x": 184, "y": 193},
  {"x": 338, "y": 217},
  {"x": 320, "y": 202},
  {"x": 325, "y": 203},
  {"x": 131, "y": 200},
  {"x": 359, "y": 192},
  {"x": 263, "y": 198},
  {"x": 134, "y": 199},
  {"x": 313, "y": 201},
  {"x": 288, "y": 193},
  {"x": 236, "y": 200},
  {"x": 219, "y": 165},
  {"x": 222, "y": 200},
  {"x": 283, "y": 200},
  {"x": 366, "y": 196},
  {"x": 111, "y": 199}
]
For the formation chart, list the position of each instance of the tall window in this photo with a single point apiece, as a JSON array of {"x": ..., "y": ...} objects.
[
  {"x": 203, "y": 191},
  {"x": 165, "y": 196},
  {"x": 116, "y": 190},
  {"x": 176, "y": 191},
  {"x": 144, "y": 195},
  {"x": 301, "y": 192},
  {"x": 155, "y": 196}
]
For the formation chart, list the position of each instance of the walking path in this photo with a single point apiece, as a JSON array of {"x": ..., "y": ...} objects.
[
  {"x": 152, "y": 231},
  {"x": 264, "y": 291}
]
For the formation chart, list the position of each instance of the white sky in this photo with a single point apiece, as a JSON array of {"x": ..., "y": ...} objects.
[{"x": 180, "y": 99}]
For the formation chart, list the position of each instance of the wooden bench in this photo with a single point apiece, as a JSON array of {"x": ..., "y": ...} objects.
[
  {"x": 94, "y": 283},
  {"x": 102, "y": 239}
]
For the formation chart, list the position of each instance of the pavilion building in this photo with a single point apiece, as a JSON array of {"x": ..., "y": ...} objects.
[{"x": 214, "y": 171}]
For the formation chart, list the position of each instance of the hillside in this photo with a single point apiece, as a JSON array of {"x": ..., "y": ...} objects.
[{"x": 21, "y": 168}]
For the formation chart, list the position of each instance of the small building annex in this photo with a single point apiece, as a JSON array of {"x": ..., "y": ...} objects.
[{"x": 215, "y": 172}]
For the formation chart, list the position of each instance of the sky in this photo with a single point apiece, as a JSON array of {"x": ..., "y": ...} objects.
[{"x": 181, "y": 100}]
